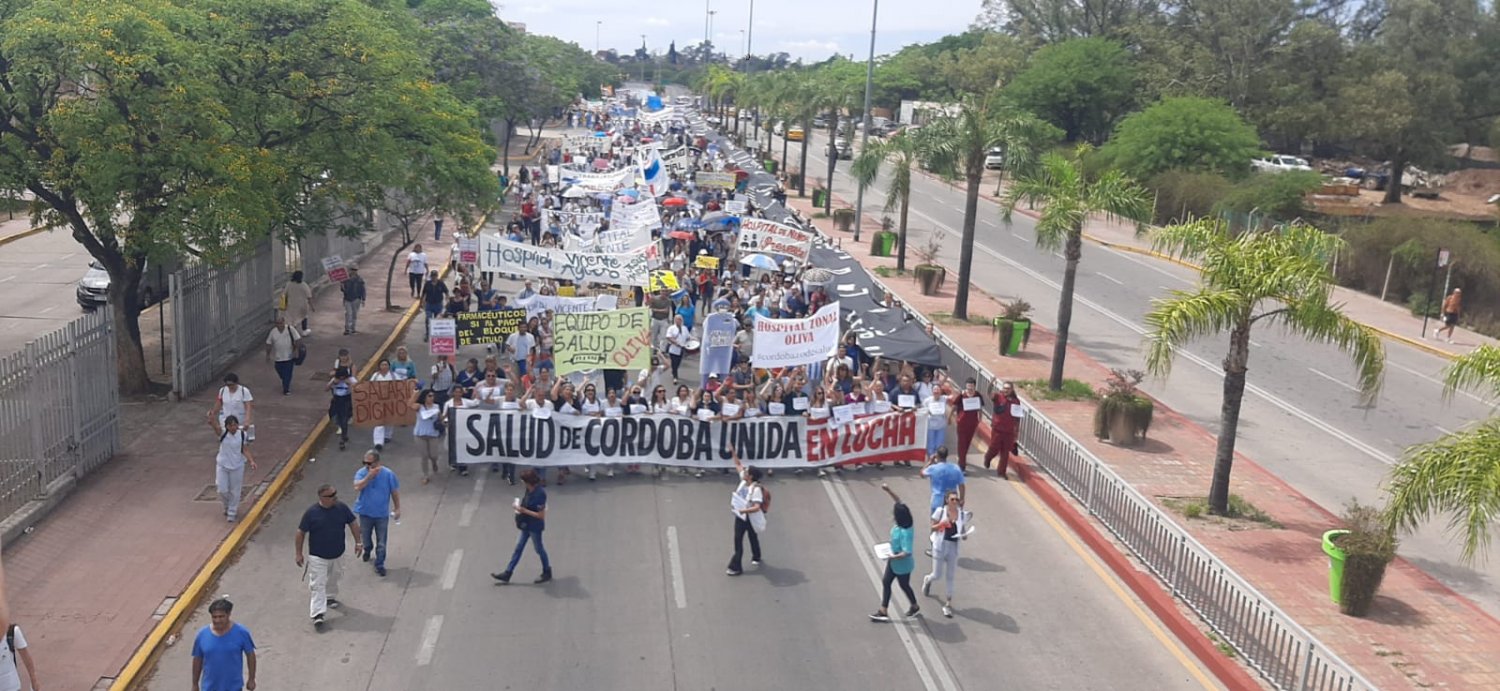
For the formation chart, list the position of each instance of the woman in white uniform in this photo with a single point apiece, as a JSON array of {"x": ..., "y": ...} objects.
[{"x": 229, "y": 465}]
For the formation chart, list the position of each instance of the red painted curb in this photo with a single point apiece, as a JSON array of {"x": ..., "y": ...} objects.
[{"x": 1144, "y": 585}]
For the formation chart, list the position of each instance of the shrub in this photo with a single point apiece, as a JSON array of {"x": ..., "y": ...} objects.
[
  {"x": 1184, "y": 133},
  {"x": 1182, "y": 196},
  {"x": 1282, "y": 196},
  {"x": 1414, "y": 243}
]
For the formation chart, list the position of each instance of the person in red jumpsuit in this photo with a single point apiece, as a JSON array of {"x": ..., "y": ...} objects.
[
  {"x": 968, "y": 420},
  {"x": 1005, "y": 425}
]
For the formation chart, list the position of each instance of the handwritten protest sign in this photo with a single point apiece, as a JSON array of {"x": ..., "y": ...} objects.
[
  {"x": 792, "y": 342},
  {"x": 706, "y": 261},
  {"x": 334, "y": 267},
  {"x": 664, "y": 280},
  {"x": 761, "y": 235},
  {"x": 500, "y": 255},
  {"x": 613, "y": 340},
  {"x": 384, "y": 403},
  {"x": 578, "y": 223},
  {"x": 716, "y": 180},
  {"x": 475, "y": 328},
  {"x": 736, "y": 207},
  {"x": 468, "y": 250},
  {"x": 442, "y": 337}
]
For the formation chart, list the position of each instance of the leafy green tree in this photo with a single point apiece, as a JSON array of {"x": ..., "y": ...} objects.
[
  {"x": 957, "y": 147},
  {"x": 1187, "y": 133},
  {"x": 1459, "y": 474},
  {"x": 156, "y": 129},
  {"x": 1274, "y": 278},
  {"x": 1052, "y": 21},
  {"x": 1081, "y": 85},
  {"x": 1069, "y": 197}
]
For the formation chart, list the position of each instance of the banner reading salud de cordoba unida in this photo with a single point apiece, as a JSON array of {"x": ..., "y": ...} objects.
[{"x": 495, "y": 436}]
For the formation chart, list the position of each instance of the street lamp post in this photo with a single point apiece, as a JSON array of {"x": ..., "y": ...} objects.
[
  {"x": 711, "y": 14},
  {"x": 864, "y": 137},
  {"x": 597, "y": 24},
  {"x": 707, "y": 13}
]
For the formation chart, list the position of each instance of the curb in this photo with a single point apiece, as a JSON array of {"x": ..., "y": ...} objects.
[
  {"x": 20, "y": 236},
  {"x": 145, "y": 656},
  {"x": 1144, "y": 586}
]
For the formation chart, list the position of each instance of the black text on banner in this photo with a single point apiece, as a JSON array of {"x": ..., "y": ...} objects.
[{"x": 476, "y": 328}]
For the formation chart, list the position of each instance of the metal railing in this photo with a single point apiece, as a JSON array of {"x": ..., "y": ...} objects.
[
  {"x": 59, "y": 409},
  {"x": 219, "y": 314}
]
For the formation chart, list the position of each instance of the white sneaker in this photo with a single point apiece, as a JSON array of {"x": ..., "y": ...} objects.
[
  {"x": 927, "y": 585},
  {"x": 948, "y": 610},
  {"x": 610, "y": 472}
]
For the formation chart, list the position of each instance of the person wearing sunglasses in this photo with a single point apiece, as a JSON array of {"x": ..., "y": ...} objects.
[
  {"x": 379, "y": 501},
  {"x": 322, "y": 530}
]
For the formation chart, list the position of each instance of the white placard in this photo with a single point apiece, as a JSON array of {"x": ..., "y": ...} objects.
[
  {"x": 937, "y": 407},
  {"x": 818, "y": 413},
  {"x": 500, "y": 255},
  {"x": 792, "y": 342},
  {"x": 776, "y": 408},
  {"x": 880, "y": 406},
  {"x": 799, "y": 403},
  {"x": 972, "y": 403},
  {"x": 729, "y": 409},
  {"x": 705, "y": 414},
  {"x": 1017, "y": 410},
  {"x": 843, "y": 414},
  {"x": 906, "y": 400}
]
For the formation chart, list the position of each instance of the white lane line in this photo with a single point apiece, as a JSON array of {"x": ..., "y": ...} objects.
[
  {"x": 904, "y": 632},
  {"x": 1131, "y": 258},
  {"x": 450, "y": 569},
  {"x": 1020, "y": 237},
  {"x": 1333, "y": 379},
  {"x": 7, "y": 278},
  {"x": 466, "y": 517},
  {"x": 1253, "y": 342},
  {"x": 429, "y": 640},
  {"x": 1265, "y": 395},
  {"x": 1108, "y": 277},
  {"x": 1442, "y": 429},
  {"x": 42, "y": 265},
  {"x": 44, "y": 311},
  {"x": 674, "y": 558},
  {"x": 1434, "y": 380}
]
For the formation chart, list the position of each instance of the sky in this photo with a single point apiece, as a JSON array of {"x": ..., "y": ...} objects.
[{"x": 808, "y": 29}]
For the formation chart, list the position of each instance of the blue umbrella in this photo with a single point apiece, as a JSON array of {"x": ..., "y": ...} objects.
[
  {"x": 604, "y": 196},
  {"x": 759, "y": 261},
  {"x": 688, "y": 224}
]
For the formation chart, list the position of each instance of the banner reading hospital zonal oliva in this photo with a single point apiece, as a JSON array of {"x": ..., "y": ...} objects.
[{"x": 500, "y": 436}]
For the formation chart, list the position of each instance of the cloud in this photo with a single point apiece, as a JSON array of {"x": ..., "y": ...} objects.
[
  {"x": 540, "y": 8},
  {"x": 813, "y": 48},
  {"x": 657, "y": 21}
]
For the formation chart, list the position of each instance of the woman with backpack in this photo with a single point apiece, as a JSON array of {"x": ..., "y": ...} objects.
[
  {"x": 234, "y": 453},
  {"x": 749, "y": 504},
  {"x": 899, "y": 565},
  {"x": 948, "y": 525},
  {"x": 341, "y": 402}
]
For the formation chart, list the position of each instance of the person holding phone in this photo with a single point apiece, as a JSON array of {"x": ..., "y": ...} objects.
[
  {"x": 948, "y": 525},
  {"x": 748, "y": 505},
  {"x": 901, "y": 563},
  {"x": 531, "y": 520}
]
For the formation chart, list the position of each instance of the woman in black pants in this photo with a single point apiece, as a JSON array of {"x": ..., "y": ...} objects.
[
  {"x": 899, "y": 565},
  {"x": 748, "y": 503}
]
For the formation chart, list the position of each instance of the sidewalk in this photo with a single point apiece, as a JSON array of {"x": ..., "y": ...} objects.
[
  {"x": 13, "y": 229},
  {"x": 1419, "y": 633},
  {"x": 91, "y": 581}
]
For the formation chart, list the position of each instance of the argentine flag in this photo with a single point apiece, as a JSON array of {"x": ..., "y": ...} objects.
[{"x": 655, "y": 174}]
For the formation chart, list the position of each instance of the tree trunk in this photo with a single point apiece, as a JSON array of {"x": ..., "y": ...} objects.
[
  {"x": 1235, "y": 368},
  {"x": 390, "y": 271},
  {"x": 510, "y": 127},
  {"x": 125, "y": 309},
  {"x": 966, "y": 249},
  {"x": 802, "y": 166},
  {"x": 1072, "y": 252},
  {"x": 1393, "y": 184},
  {"x": 784, "y": 144},
  {"x": 833, "y": 160},
  {"x": 901, "y": 236}
]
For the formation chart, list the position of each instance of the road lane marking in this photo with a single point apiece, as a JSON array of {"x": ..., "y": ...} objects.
[
  {"x": 1253, "y": 342},
  {"x": 1128, "y": 257},
  {"x": 1439, "y": 382},
  {"x": 44, "y": 311},
  {"x": 904, "y": 632},
  {"x": 429, "y": 640},
  {"x": 674, "y": 558},
  {"x": 1333, "y": 379},
  {"x": 1442, "y": 429},
  {"x": 1108, "y": 277},
  {"x": 450, "y": 569},
  {"x": 1263, "y": 394},
  {"x": 1167, "y": 640},
  {"x": 1020, "y": 237},
  {"x": 466, "y": 517},
  {"x": 7, "y": 278}
]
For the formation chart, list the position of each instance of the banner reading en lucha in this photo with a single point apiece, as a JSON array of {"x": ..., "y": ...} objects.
[{"x": 491, "y": 436}]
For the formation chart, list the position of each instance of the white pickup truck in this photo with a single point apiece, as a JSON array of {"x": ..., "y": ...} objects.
[{"x": 1279, "y": 164}]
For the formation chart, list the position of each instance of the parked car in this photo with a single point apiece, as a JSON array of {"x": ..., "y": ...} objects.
[
  {"x": 820, "y": 123},
  {"x": 841, "y": 145},
  {"x": 779, "y": 129},
  {"x": 994, "y": 159},
  {"x": 93, "y": 288},
  {"x": 795, "y": 134},
  {"x": 1279, "y": 164}
]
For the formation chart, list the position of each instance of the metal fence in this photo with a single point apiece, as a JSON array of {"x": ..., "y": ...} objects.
[
  {"x": 219, "y": 314},
  {"x": 1284, "y": 653},
  {"x": 59, "y": 409}
]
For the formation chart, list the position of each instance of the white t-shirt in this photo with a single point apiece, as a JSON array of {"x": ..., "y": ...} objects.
[
  {"x": 520, "y": 344},
  {"x": 10, "y": 673},
  {"x": 231, "y": 450},
  {"x": 418, "y": 263},
  {"x": 233, "y": 403},
  {"x": 483, "y": 393},
  {"x": 282, "y": 342}
]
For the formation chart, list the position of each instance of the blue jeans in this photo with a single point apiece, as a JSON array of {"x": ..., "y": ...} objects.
[
  {"x": 935, "y": 438},
  {"x": 536, "y": 537},
  {"x": 284, "y": 370},
  {"x": 378, "y": 526}
]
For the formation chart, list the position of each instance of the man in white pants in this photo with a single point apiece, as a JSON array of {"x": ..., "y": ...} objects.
[{"x": 322, "y": 527}]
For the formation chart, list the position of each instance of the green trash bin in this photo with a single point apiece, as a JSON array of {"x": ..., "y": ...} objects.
[
  {"x": 818, "y": 198},
  {"x": 1017, "y": 336},
  {"x": 770, "y": 165},
  {"x": 887, "y": 243},
  {"x": 1335, "y": 565}
]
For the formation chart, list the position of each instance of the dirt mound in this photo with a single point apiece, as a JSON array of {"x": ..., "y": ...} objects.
[{"x": 1478, "y": 182}]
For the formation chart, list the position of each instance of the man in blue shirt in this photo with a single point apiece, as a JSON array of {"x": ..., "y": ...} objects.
[
  {"x": 945, "y": 477},
  {"x": 378, "y": 502},
  {"x": 221, "y": 652}
]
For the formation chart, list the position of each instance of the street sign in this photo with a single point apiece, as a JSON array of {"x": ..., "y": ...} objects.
[{"x": 1443, "y": 256}]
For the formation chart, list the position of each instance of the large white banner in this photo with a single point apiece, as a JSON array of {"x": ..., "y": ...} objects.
[
  {"x": 498, "y": 254},
  {"x": 642, "y": 214},
  {"x": 770, "y": 237},
  {"x": 580, "y": 223},
  {"x": 612, "y": 241},
  {"x": 537, "y": 304},
  {"x": 495, "y": 436},
  {"x": 600, "y": 182},
  {"x": 792, "y": 342}
]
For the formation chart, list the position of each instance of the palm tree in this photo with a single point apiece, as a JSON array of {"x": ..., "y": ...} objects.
[
  {"x": 1459, "y": 474},
  {"x": 1069, "y": 198},
  {"x": 904, "y": 151},
  {"x": 959, "y": 142},
  {"x": 806, "y": 98},
  {"x": 1278, "y": 278},
  {"x": 837, "y": 96}
]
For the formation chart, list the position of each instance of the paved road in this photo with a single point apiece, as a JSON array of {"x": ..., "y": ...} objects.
[
  {"x": 37, "y": 279},
  {"x": 640, "y": 599},
  {"x": 1302, "y": 418}
]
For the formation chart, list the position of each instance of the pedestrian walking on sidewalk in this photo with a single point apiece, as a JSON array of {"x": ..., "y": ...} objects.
[
  {"x": 378, "y": 501},
  {"x": 229, "y": 464},
  {"x": 15, "y": 653},
  {"x": 1452, "y": 306},
  {"x": 948, "y": 524},
  {"x": 1005, "y": 425},
  {"x": 429, "y": 432},
  {"x": 296, "y": 302},
  {"x": 282, "y": 346},
  {"x": 901, "y": 562},
  {"x": 233, "y": 399},
  {"x": 967, "y": 405},
  {"x": 322, "y": 529},
  {"x": 223, "y": 652},
  {"x": 353, "y": 289},
  {"x": 341, "y": 403},
  {"x": 748, "y": 505},
  {"x": 531, "y": 520},
  {"x": 416, "y": 269}
]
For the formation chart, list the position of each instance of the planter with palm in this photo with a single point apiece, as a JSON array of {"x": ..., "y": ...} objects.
[
  {"x": 1122, "y": 415},
  {"x": 930, "y": 274},
  {"x": 904, "y": 152},
  {"x": 1069, "y": 197},
  {"x": 1276, "y": 278}
]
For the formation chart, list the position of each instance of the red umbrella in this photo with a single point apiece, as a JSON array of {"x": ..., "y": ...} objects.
[
  {"x": 681, "y": 235},
  {"x": 674, "y": 201}
]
